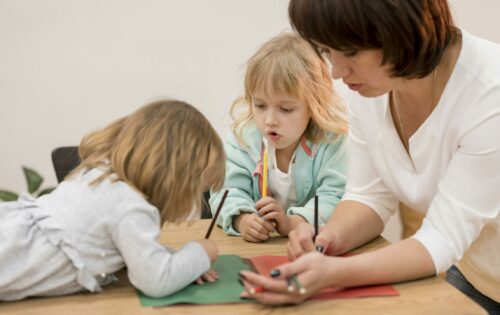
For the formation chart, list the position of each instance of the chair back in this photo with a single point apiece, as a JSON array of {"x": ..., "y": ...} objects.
[{"x": 65, "y": 159}]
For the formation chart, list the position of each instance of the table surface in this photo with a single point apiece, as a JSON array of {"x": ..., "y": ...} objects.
[{"x": 427, "y": 296}]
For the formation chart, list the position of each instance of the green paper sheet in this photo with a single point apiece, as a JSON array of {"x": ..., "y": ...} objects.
[{"x": 226, "y": 289}]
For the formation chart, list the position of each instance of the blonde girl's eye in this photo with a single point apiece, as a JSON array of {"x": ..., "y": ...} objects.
[
  {"x": 259, "y": 106},
  {"x": 286, "y": 110}
]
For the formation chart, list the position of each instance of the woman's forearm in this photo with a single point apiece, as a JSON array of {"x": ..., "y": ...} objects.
[
  {"x": 401, "y": 261},
  {"x": 354, "y": 225}
]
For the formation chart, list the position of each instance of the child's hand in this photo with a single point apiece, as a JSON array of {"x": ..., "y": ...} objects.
[
  {"x": 253, "y": 228},
  {"x": 209, "y": 276},
  {"x": 211, "y": 249},
  {"x": 270, "y": 209}
]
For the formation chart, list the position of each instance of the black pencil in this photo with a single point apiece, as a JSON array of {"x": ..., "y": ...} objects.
[
  {"x": 319, "y": 248},
  {"x": 315, "y": 217},
  {"x": 216, "y": 215}
]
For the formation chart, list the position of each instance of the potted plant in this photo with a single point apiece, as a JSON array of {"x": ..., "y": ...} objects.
[{"x": 34, "y": 182}]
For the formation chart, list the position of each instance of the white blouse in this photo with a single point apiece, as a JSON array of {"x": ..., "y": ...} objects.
[
  {"x": 452, "y": 172},
  {"x": 282, "y": 184}
]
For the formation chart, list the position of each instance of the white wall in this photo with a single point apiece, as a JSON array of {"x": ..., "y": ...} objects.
[{"x": 69, "y": 66}]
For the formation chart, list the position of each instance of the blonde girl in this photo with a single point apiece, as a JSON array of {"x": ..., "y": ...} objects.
[
  {"x": 289, "y": 103},
  {"x": 136, "y": 174}
]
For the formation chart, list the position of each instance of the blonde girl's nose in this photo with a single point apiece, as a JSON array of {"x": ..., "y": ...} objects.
[{"x": 270, "y": 119}]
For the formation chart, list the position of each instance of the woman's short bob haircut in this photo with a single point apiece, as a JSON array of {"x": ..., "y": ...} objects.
[{"x": 412, "y": 34}]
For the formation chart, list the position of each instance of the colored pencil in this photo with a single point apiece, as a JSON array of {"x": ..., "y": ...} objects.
[
  {"x": 216, "y": 215},
  {"x": 264, "y": 174},
  {"x": 299, "y": 286}
]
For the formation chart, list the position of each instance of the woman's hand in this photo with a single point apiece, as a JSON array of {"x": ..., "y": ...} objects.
[
  {"x": 270, "y": 210},
  {"x": 300, "y": 241},
  {"x": 314, "y": 272},
  {"x": 209, "y": 276},
  {"x": 253, "y": 228}
]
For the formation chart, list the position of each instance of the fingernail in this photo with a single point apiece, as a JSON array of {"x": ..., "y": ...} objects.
[
  {"x": 320, "y": 248},
  {"x": 275, "y": 273},
  {"x": 241, "y": 276}
]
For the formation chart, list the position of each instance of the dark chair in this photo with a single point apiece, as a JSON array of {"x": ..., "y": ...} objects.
[{"x": 65, "y": 159}]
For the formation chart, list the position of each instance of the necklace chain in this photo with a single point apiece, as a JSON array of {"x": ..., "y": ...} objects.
[{"x": 398, "y": 115}]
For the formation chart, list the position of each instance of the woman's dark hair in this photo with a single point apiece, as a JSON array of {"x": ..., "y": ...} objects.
[{"x": 413, "y": 34}]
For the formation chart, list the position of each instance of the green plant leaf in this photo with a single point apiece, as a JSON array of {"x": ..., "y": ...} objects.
[
  {"x": 33, "y": 179},
  {"x": 46, "y": 191},
  {"x": 8, "y": 195}
]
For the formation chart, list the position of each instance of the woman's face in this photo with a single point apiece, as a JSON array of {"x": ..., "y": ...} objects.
[{"x": 360, "y": 70}]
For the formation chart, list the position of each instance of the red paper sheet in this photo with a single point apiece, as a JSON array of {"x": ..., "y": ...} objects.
[{"x": 264, "y": 264}]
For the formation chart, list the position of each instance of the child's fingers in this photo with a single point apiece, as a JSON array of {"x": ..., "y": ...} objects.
[
  {"x": 199, "y": 281},
  {"x": 272, "y": 207},
  {"x": 208, "y": 277},
  {"x": 260, "y": 226},
  {"x": 263, "y": 201},
  {"x": 272, "y": 216},
  {"x": 267, "y": 225},
  {"x": 249, "y": 238},
  {"x": 258, "y": 235}
]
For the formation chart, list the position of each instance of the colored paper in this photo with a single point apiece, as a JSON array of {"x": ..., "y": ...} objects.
[
  {"x": 264, "y": 264},
  {"x": 226, "y": 289}
]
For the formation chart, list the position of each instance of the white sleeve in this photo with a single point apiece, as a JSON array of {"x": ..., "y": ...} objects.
[
  {"x": 152, "y": 268},
  {"x": 468, "y": 195},
  {"x": 364, "y": 183}
]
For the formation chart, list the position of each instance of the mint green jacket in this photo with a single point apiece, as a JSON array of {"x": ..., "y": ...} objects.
[{"x": 319, "y": 168}]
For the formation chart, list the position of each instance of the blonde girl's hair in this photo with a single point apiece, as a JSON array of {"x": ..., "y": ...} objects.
[
  {"x": 288, "y": 64},
  {"x": 165, "y": 150}
]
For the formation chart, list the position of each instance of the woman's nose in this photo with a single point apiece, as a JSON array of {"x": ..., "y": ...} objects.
[
  {"x": 340, "y": 66},
  {"x": 340, "y": 71}
]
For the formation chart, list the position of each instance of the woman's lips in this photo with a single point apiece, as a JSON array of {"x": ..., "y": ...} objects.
[{"x": 354, "y": 87}]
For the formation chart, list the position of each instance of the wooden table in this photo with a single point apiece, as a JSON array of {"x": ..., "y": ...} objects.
[{"x": 428, "y": 296}]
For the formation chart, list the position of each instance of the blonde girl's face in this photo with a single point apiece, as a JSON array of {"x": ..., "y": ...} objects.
[{"x": 281, "y": 119}]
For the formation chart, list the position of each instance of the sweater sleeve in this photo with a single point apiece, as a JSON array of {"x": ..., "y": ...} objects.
[
  {"x": 468, "y": 195},
  {"x": 152, "y": 268},
  {"x": 239, "y": 182},
  {"x": 364, "y": 183},
  {"x": 331, "y": 179}
]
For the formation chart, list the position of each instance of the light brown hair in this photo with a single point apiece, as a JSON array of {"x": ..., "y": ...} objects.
[
  {"x": 288, "y": 65},
  {"x": 412, "y": 34},
  {"x": 163, "y": 150}
]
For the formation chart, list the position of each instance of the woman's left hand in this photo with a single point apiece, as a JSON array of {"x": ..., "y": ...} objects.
[
  {"x": 313, "y": 271},
  {"x": 209, "y": 276},
  {"x": 270, "y": 209}
]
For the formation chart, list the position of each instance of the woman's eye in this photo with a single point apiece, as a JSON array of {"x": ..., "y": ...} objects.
[
  {"x": 259, "y": 106},
  {"x": 350, "y": 53},
  {"x": 287, "y": 110}
]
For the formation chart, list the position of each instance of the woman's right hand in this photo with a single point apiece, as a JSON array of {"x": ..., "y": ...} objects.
[
  {"x": 211, "y": 249},
  {"x": 314, "y": 272},
  {"x": 300, "y": 241},
  {"x": 253, "y": 228}
]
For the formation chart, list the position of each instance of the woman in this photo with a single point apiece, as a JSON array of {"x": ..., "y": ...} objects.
[{"x": 424, "y": 127}]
